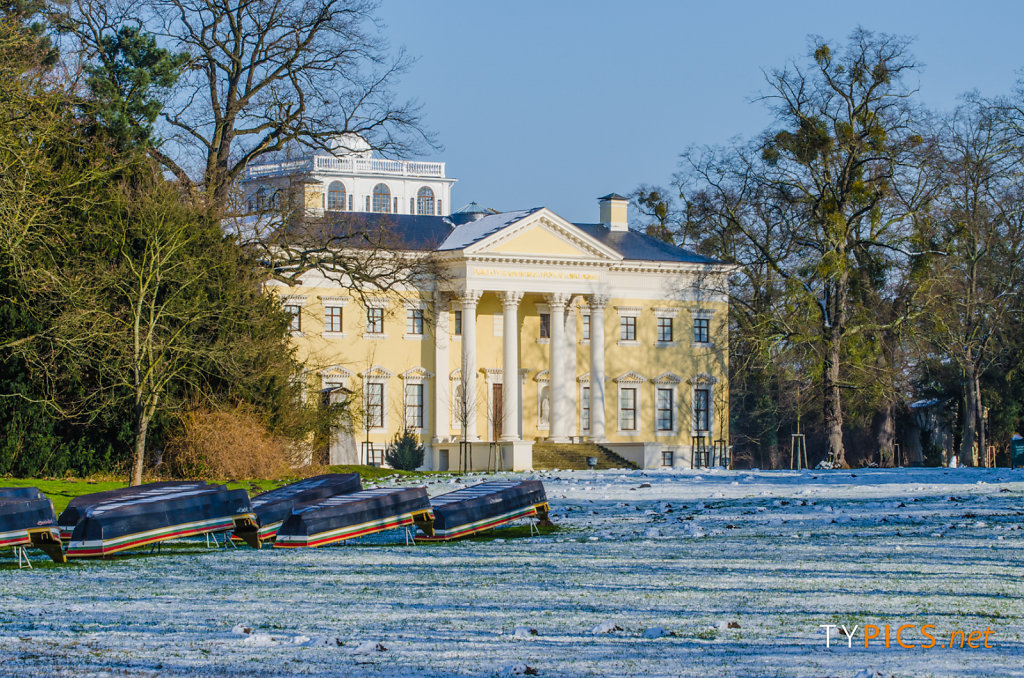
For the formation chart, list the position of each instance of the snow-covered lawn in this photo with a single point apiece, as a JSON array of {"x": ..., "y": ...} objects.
[{"x": 654, "y": 573}]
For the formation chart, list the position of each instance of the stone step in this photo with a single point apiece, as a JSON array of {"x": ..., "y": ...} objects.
[{"x": 574, "y": 456}]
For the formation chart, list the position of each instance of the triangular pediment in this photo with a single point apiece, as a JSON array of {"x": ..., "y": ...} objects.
[
  {"x": 544, "y": 234},
  {"x": 630, "y": 377}
]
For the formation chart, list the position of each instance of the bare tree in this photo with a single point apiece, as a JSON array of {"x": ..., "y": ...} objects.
[
  {"x": 263, "y": 77},
  {"x": 974, "y": 276},
  {"x": 826, "y": 200}
]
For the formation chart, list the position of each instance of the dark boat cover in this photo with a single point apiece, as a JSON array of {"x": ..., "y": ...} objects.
[
  {"x": 77, "y": 507},
  {"x": 484, "y": 506},
  {"x": 30, "y": 521},
  {"x": 166, "y": 513},
  {"x": 353, "y": 515},
  {"x": 271, "y": 508},
  {"x": 20, "y": 493}
]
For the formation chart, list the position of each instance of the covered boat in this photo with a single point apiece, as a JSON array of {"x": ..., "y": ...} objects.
[
  {"x": 30, "y": 521},
  {"x": 273, "y": 507},
  {"x": 354, "y": 515},
  {"x": 114, "y": 526},
  {"x": 20, "y": 492},
  {"x": 485, "y": 506},
  {"x": 77, "y": 507}
]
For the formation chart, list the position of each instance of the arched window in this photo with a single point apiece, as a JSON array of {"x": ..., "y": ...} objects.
[
  {"x": 381, "y": 198},
  {"x": 425, "y": 201},
  {"x": 336, "y": 196}
]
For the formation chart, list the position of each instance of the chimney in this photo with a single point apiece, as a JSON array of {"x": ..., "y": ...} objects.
[{"x": 614, "y": 211}]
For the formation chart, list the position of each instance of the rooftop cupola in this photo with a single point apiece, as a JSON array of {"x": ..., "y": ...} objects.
[{"x": 614, "y": 211}]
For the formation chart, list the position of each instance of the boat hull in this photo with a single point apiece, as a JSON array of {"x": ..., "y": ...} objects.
[
  {"x": 114, "y": 527},
  {"x": 274, "y": 507},
  {"x": 31, "y": 522},
  {"x": 20, "y": 493},
  {"x": 484, "y": 507},
  {"x": 79, "y": 506},
  {"x": 354, "y": 515}
]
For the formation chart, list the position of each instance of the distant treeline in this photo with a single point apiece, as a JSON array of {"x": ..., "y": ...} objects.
[{"x": 877, "y": 300}]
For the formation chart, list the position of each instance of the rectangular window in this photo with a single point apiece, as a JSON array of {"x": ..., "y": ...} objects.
[
  {"x": 627, "y": 409},
  {"x": 296, "y": 312},
  {"x": 458, "y": 324},
  {"x": 414, "y": 321},
  {"x": 585, "y": 408},
  {"x": 375, "y": 320},
  {"x": 414, "y": 405},
  {"x": 701, "y": 330},
  {"x": 627, "y": 326},
  {"x": 439, "y": 212},
  {"x": 586, "y": 327},
  {"x": 350, "y": 196},
  {"x": 374, "y": 405},
  {"x": 664, "y": 330},
  {"x": 668, "y": 458},
  {"x": 701, "y": 410},
  {"x": 664, "y": 409},
  {"x": 412, "y": 205},
  {"x": 332, "y": 319},
  {"x": 396, "y": 204},
  {"x": 545, "y": 325},
  {"x": 367, "y": 203}
]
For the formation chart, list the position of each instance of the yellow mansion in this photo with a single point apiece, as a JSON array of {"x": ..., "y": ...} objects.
[{"x": 538, "y": 330}]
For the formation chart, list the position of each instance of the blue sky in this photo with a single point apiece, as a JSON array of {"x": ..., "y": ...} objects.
[{"x": 555, "y": 103}]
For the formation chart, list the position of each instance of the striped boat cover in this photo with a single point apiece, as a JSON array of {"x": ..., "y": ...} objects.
[
  {"x": 77, "y": 507},
  {"x": 484, "y": 506},
  {"x": 18, "y": 515},
  {"x": 352, "y": 515},
  {"x": 273, "y": 507},
  {"x": 165, "y": 513}
]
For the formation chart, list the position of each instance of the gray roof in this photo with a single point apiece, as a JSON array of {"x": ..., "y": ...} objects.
[
  {"x": 401, "y": 231},
  {"x": 426, "y": 233},
  {"x": 637, "y": 246},
  {"x": 466, "y": 234}
]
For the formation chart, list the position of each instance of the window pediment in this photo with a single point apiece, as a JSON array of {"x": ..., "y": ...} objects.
[
  {"x": 630, "y": 377},
  {"x": 416, "y": 374},
  {"x": 377, "y": 372}
]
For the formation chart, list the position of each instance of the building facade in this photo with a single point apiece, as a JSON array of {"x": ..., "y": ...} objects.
[{"x": 534, "y": 329}]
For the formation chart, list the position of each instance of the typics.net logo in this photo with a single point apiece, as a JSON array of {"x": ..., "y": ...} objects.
[{"x": 906, "y": 636}]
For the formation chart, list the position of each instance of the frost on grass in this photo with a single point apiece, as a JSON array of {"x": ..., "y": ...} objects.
[{"x": 654, "y": 573}]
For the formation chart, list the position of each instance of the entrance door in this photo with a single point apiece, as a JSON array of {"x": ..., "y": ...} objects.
[{"x": 497, "y": 411}]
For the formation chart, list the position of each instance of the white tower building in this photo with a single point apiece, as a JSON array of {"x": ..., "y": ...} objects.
[{"x": 348, "y": 178}]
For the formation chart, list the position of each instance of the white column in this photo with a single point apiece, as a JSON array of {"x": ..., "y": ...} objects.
[
  {"x": 597, "y": 304},
  {"x": 569, "y": 367},
  {"x": 469, "y": 300},
  {"x": 442, "y": 397},
  {"x": 510, "y": 366},
  {"x": 556, "y": 367}
]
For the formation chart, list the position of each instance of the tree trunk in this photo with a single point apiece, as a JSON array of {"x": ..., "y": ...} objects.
[
  {"x": 982, "y": 438},
  {"x": 832, "y": 407},
  {"x": 884, "y": 427},
  {"x": 144, "y": 413},
  {"x": 969, "y": 421},
  {"x": 141, "y": 425}
]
